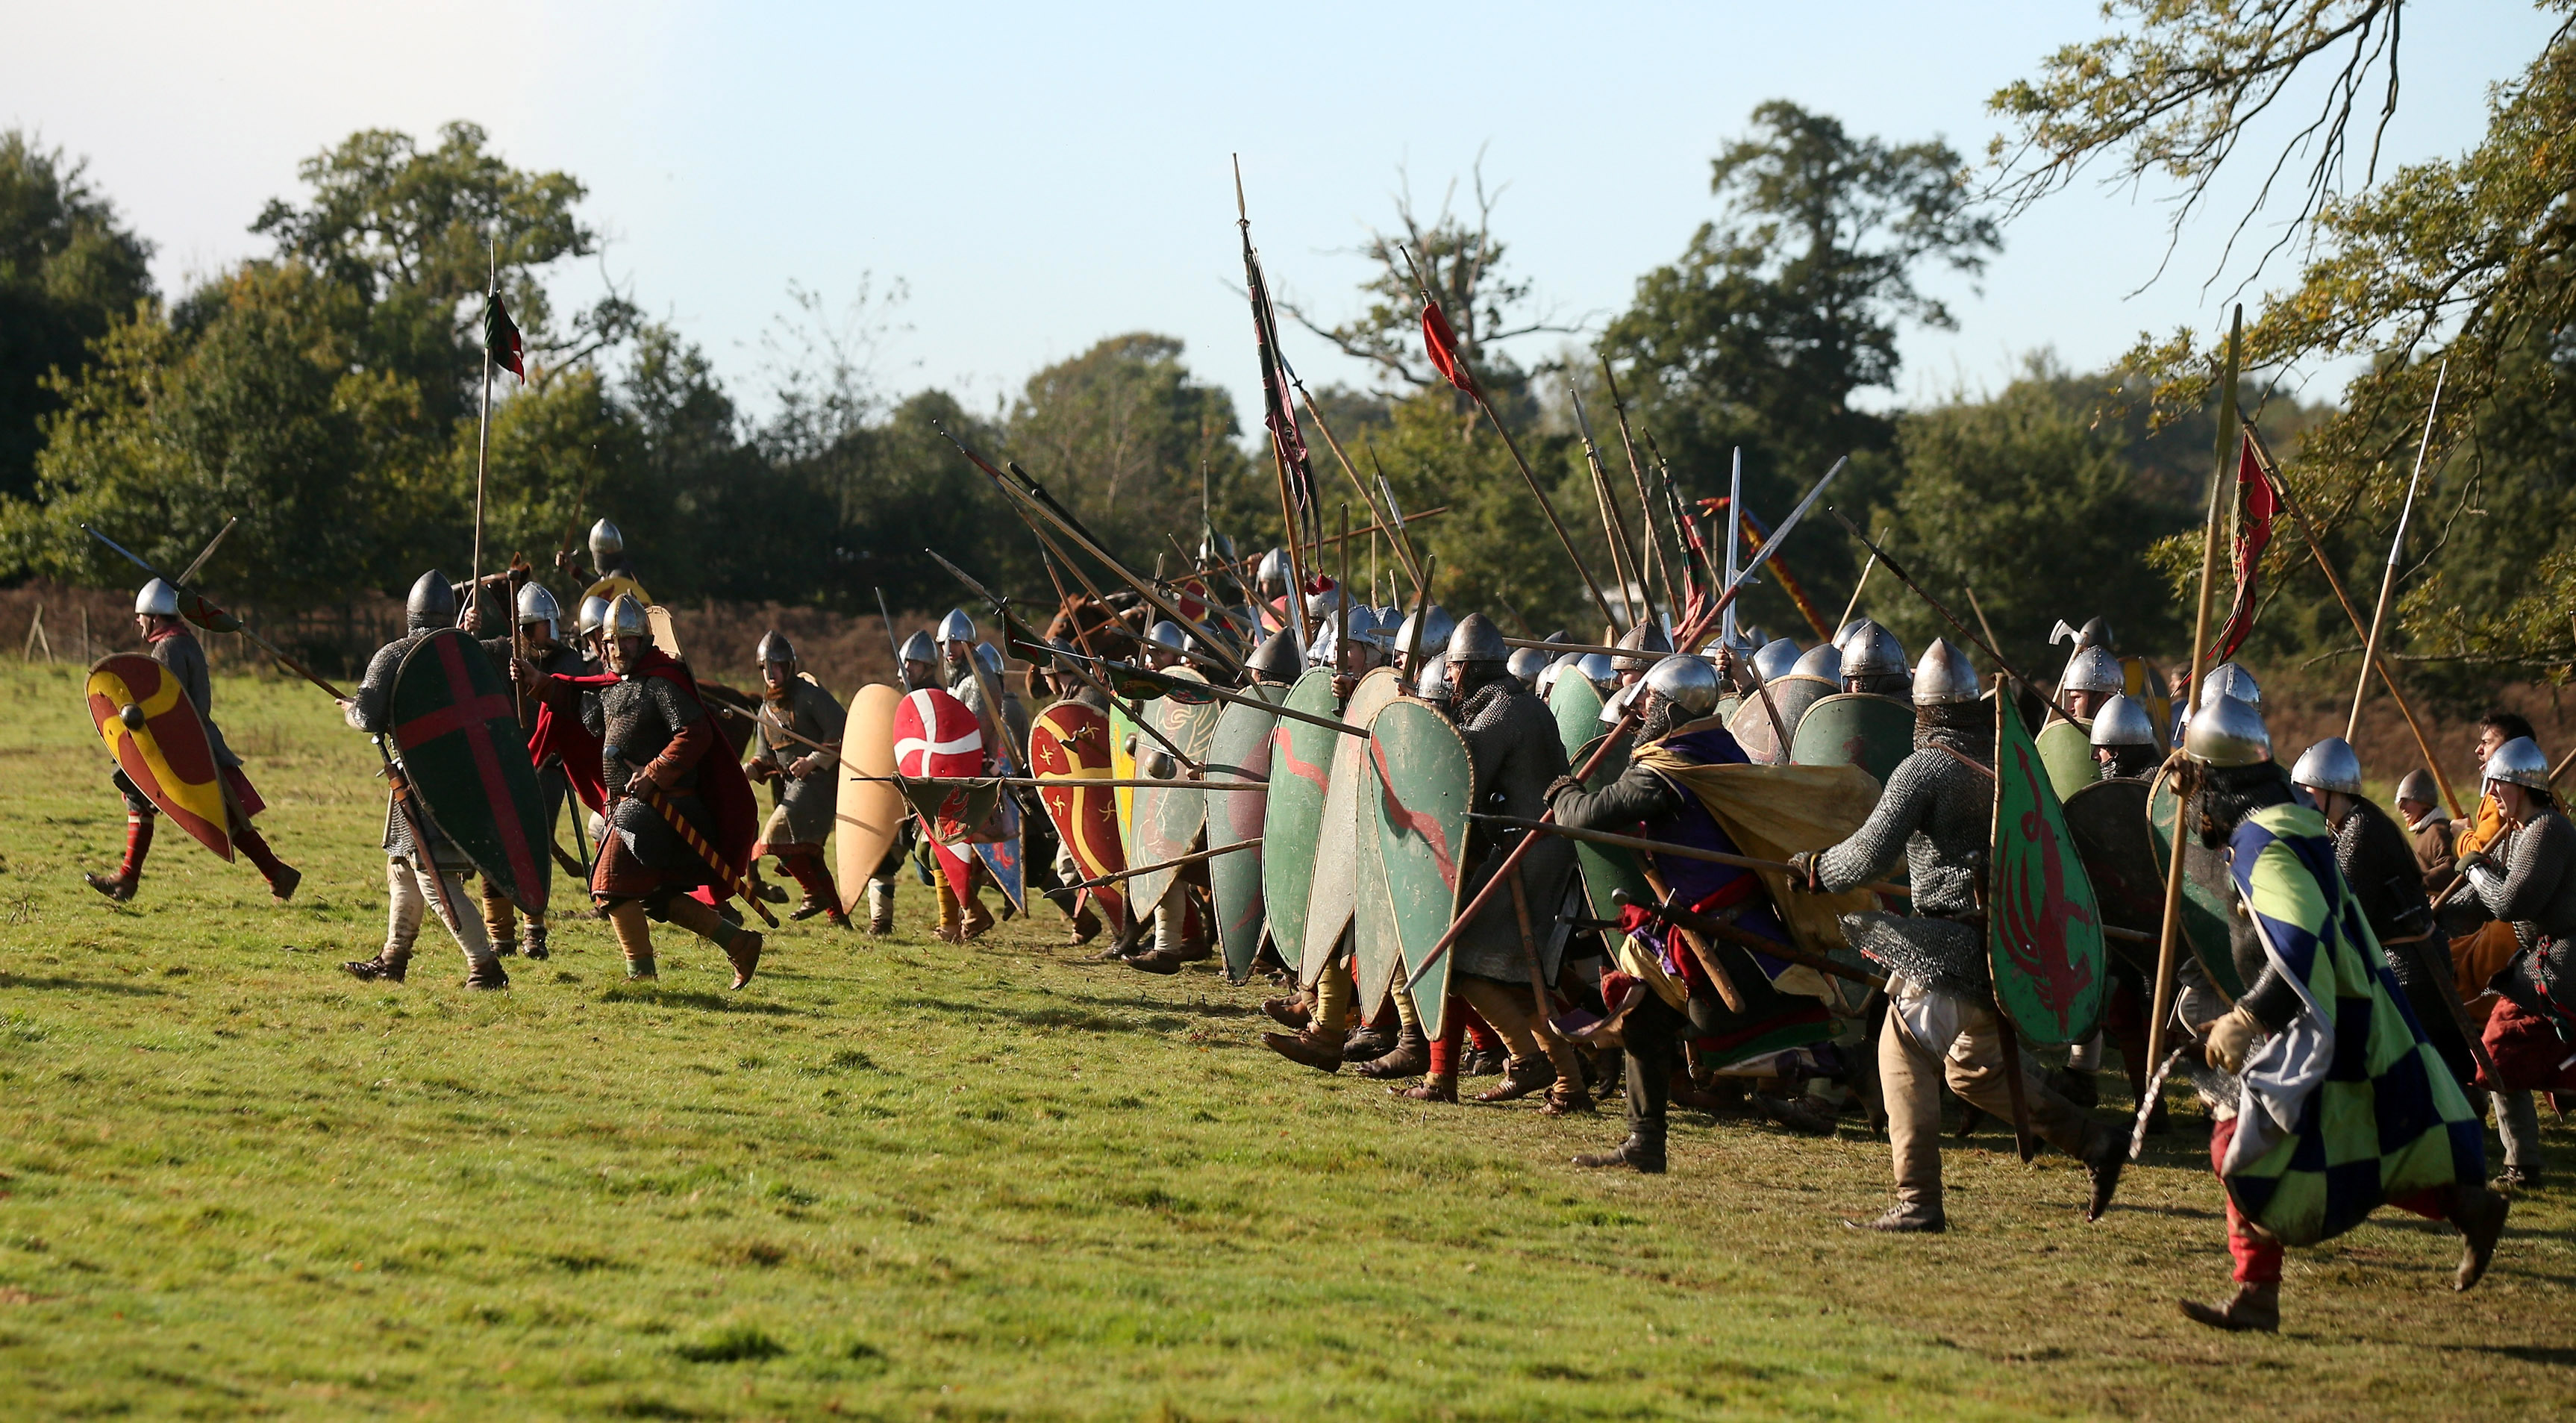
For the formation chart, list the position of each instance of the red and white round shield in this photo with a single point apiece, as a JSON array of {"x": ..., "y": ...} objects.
[{"x": 936, "y": 735}]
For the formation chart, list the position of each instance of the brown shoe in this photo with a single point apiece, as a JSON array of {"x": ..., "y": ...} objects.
[
  {"x": 1567, "y": 1099},
  {"x": 744, "y": 955},
  {"x": 2256, "y": 1308},
  {"x": 1906, "y": 1218},
  {"x": 1411, "y": 1055},
  {"x": 1307, "y": 1049},
  {"x": 1086, "y": 927},
  {"x": 1642, "y": 1152},
  {"x": 282, "y": 888},
  {"x": 383, "y": 968},
  {"x": 488, "y": 977},
  {"x": 2105, "y": 1161},
  {"x": 1289, "y": 1013},
  {"x": 116, "y": 887},
  {"x": 1520, "y": 1079},
  {"x": 2479, "y": 1213},
  {"x": 1799, "y": 1114},
  {"x": 1430, "y": 1089}
]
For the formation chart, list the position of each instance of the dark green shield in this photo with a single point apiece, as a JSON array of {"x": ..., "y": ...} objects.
[
  {"x": 1753, "y": 728},
  {"x": 1576, "y": 704},
  {"x": 1607, "y": 869},
  {"x": 2067, "y": 751},
  {"x": 1301, "y": 770},
  {"x": 462, "y": 748},
  {"x": 1332, "y": 884},
  {"x": 1855, "y": 729},
  {"x": 1168, "y": 818},
  {"x": 2043, "y": 928},
  {"x": 1420, "y": 786},
  {"x": 2109, "y": 822},
  {"x": 2206, "y": 891},
  {"x": 1239, "y": 752}
]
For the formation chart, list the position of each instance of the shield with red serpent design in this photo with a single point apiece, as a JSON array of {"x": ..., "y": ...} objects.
[
  {"x": 2043, "y": 927},
  {"x": 467, "y": 758},
  {"x": 1239, "y": 753},
  {"x": 1419, "y": 788}
]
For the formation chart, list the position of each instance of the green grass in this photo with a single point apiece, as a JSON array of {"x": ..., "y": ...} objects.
[{"x": 900, "y": 1179}]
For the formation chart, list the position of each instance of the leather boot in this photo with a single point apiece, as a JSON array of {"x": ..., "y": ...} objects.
[
  {"x": 488, "y": 977},
  {"x": 138, "y": 843},
  {"x": 1798, "y": 1113},
  {"x": 2479, "y": 1213},
  {"x": 281, "y": 885},
  {"x": 978, "y": 918},
  {"x": 2255, "y": 1307},
  {"x": 532, "y": 942},
  {"x": 1411, "y": 1055},
  {"x": 2105, "y": 1161},
  {"x": 950, "y": 916},
  {"x": 386, "y": 967},
  {"x": 1367, "y": 1045},
  {"x": 808, "y": 907},
  {"x": 1484, "y": 1062},
  {"x": 116, "y": 887},
  {"x": 1086, "y": 927},
  {"x": 1906, "y": 1218},
  {"x": 1430, "y": 1089},
  {"x": 1521, "y": 1079},
  {"x": 1643, "y": 1151},
  {"x": 744, "y": 954},
  {"x": 1320, "y": 1051},
  {"x": 1568, "y": 1099},
  {"x": 1289, "y": 1012}
]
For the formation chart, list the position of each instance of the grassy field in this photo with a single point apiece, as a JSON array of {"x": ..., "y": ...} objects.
[{"x": 900, "y": 1179}]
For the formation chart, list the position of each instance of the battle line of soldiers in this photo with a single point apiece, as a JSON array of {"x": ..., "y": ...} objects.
[{"x": 1685, "y": 862}]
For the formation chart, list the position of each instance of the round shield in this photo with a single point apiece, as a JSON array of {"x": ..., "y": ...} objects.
[
  {"x": 936, "y": 735},
  {"x": 868, "y": 810},
  {"x": 1332, "y": 897},
  {"x": 2067, "y": 751},
  {"x": 1168, "y": 818},
  {"x": 2207, "y": 894},
  {"x": 1069, "y": 744},
  {"x": 1239, "y": 753},
  {"x": 163, "y": 750},
  {"x": 1576, "y": 705},
  {"x": 1301, "y": 770},
  {"x": 1754, "y": 729},
  {"x": 1421, "y": 785},
  {"x": 1854, "y": 729}
]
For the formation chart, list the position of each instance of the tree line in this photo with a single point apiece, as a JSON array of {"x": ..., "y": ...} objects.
[{"x": 327, "y": 392}]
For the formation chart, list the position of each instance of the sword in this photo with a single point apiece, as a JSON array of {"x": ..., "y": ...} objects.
[{"x": 1734, "y": 531}]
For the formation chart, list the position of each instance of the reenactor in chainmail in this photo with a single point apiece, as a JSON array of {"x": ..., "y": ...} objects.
[
  {"x": 799, "y": 738},
  {"x": 1937, "y": 817},
  {"x": 2124, "y": 739},
  {"x": 2379, "y": 868},
  {"x": 429, "y": 869},
  {"x": 1513, "y": 743},
  {"x": 2527, "y": 879},
  {"x": 1647, "y": 644},
  {"x": 156, "y": 616},
  {"x": 1873, "y": 661},
  {"x": 2092, "y": 678},
  {"x": 539, "y": 641}
]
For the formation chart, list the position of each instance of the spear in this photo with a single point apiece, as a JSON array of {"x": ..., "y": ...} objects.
[
  {"x": 1475, "y": 391},
  {"x": 1734, "y": 528},
  {"x": 1684, "y": 637},
  {"x": 1614, "y": 523},
  {"x": 1655, "y": 554},
  {"x": 2388, "y": 578},
  {"x": 191, "y": 574},
  {"x": 2168, "y": 947},
  {"x": 1188, "y": 690},
  {"x": 1411, "y": 569},
  {"x": 1983, "y": 644},
  {"x": 202, "y": 611},
  {"x": 1191, "y": 858},
  {"x": 483, "y": 431}
]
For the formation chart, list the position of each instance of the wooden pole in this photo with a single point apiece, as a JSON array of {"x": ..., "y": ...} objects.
[
  {"x": 1656, "y": 556},
  {"x": 2169, "y": 938},
  {"x": 483, "y": 432},
  {"x": 2388, "y": 577}
]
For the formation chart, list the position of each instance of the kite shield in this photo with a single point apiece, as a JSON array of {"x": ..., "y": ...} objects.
[
  {"x": 153, "y": 731},
  {"x": 1069, "y": 744},
  {"x": 1239, "y": 754},
  {"x": 1851, "y": 729},
  {"x": 2067, "y": 751},
  {"x": 1421, "y": 784},
  {"x": 1792, "y": 695},
  {"x": 467, "y": 759},
  {"x": 1332, "y": 895},
  {"x": 1168, "y": 818},
  {"x": 1301, "y": 770},
  {"x": 2109, "y": 822},
  {"x": 2207, "y": 893},
  {"x": 868, "y": 810},
  {"x": 2044, "y": 930}
]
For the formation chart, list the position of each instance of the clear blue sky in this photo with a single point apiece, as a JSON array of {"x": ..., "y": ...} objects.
[{"x": 1043, "y": 176}]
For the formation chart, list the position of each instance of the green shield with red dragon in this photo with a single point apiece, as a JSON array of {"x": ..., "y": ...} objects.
[
  {"x": 1420, "y": 785},
  {"x": 2043, "y": 927}
]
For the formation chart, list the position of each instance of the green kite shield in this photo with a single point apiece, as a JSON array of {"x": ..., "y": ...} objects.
[
  {"x": 2109, "y": 822},
  {"x": 2044, "y": 930},
  {"x": 1167, "y": 819},
  {"x": 2067, "y": 751},
  {"x": 466, "y": 757},
  {"x": 1239, "y": 753},
  {"x": 1421, "y": 784},
  {"x": 1332, "y": 894},
  {"x": 1301, "y": 770},
  {"x": 1576, "y": 705},
  {"x": 1792, "y": 695},
  {"x": 2207, "y": 894},
  {"x": 1854, "y": 729},
  {"x": 1607, "y": 869},
  {"x": 1123, "y": 737}
]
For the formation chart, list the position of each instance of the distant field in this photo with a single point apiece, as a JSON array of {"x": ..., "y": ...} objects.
[{"x": 899, "y": 1179}]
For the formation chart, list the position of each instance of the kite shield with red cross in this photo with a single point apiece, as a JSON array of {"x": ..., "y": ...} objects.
[{"x": 458, "y": 731}]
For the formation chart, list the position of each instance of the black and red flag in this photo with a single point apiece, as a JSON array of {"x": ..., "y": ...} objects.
[
  {"x": 501, "y": 338},
  {"x": 2257, "y": 505},
  {"x": 1276, "y": 412}
]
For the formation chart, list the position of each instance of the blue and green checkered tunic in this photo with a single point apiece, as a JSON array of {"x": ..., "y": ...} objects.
[{"x": 2347, "y": 1107}]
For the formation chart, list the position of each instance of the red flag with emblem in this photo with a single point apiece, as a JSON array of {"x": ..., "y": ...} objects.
[{"x": 2258, "y": 503}]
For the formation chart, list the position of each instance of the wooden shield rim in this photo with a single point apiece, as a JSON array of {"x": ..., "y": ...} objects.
[
  {"x": 500, "y": 761},
  {"x": 214, "y": 831},
  {"x": 866, "y": 815}
]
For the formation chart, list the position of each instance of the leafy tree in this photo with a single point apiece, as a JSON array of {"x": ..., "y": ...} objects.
[
  {"x": 2463, "y": 260},
  {"x": 1779, "y": 312},
  {"x": 68, "y": 268}
]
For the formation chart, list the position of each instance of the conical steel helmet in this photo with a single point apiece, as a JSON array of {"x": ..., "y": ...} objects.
[
  {"x": 594, "y": 615},
  {"x": 1822, "y": 660},
  {"x": 774, "y": 647},
  {"x": 431, "y": 603},
  {"x": 627, "y": 618},
  {"x": 2229, "y": 680},
  {"x": 2518, "y": 763},
  {"x": 536, "y": 605},
  {"x": 1777, "y": 659},
  {"x": 2227, "y": 732},
  {"x": 2330, "y": 765},
  {"x": 157, "y": 599},
  {"x": 1944, "y": 676},
  {"x": 606, "y": 542},
  {"x": 1870, "y": 650},
  {"x": 2092, "y": 669},
  {"x": 956, "y": 627},
  {"x": 920, "y": 648},
  {"x": 1689, "y": 683},
  {"x": 2123, "y": 721}
]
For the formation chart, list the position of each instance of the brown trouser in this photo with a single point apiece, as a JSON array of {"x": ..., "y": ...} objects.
[
  {"x": 501, "y": 917},
  {"x": 1526, "y": 1035},
  {"x": 1911, "y": 1075}
]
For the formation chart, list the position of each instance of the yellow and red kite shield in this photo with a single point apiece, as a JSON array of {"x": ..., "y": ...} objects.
[
  {"x": 1069, "y": 744},
  {"x": 868, "y": 810},
  {"x": 152, "y": 730}
]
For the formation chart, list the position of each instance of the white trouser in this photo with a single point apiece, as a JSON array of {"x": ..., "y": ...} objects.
[{"x": 408, "y": 893}]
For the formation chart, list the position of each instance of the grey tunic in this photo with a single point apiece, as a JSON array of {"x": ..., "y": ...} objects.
[
  {"x": 805, "y": 806},
  {"x": 1512, "y": 741},
  {"x": 1938, "y": 815},
  {"x": 185, "y": 658},
  {"x": 1013, "y": 728}
]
